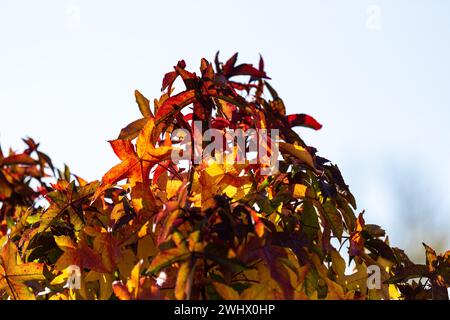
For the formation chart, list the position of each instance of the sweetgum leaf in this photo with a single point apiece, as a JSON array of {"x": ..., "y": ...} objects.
[
  {"x": 132, "y": 130},
  {"x": 303, "y": 120},
  {"x": 144, "y": 104},
  {"x": 14, "y": 274}
]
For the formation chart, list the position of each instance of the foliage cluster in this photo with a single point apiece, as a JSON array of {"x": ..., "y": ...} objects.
[{"x": 154, "y": 229}]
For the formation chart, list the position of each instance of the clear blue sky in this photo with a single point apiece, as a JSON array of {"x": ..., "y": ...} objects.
[{"x": 379, "y": 83}]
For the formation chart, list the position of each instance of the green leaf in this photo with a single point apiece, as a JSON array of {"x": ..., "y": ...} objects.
[
  {"x": 338, "y": 263},
  {"x": 347, "y": 213},
  {"x": 311, "y": 281},
  {"x": 334, "y": 219},
  {"x": 309, "y": 220}
]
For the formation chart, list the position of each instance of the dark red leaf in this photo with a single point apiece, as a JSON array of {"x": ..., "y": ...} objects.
[
  {"x": 303, "y": 120},
  {"x": 170, "y": 77},
  {"x": 229, "y": 65},
  {"x": 220, "y": 123},
  {"x": 248, "y": 70}
]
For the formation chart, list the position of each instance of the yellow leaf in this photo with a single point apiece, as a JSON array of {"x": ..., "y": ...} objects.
[
  {"x": 14, "y": 274},
  {"x": 338, "y": 265},
  {"x": 255, "y": 292},
  {"x": 126, "y": 264},
  {"x": 62, "y": 278},
  {"x": 133, "y": 281},
  {"x": 146, "y": 248},
  {"x": 335, "y": 291},
  {"x": 144, "y": 230},
  {"x": 357, "y": 280},
  {"x": 297, "y": 151},
  {"x": 143, "y": 103},
  {"x": 105, "y": 283},
  {"x": 184, "y": 280},
  {"x": 226, "y": 292},
  {"x": 59, "y": 296},
  {"x": 394, "y": 294},
  {"x": 299, "y": 191},
  {"x": 172, "y": 188},
  {"x": 237, "y": 192}
]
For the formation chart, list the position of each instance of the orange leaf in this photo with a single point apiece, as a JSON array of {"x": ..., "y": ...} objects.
[
  {"x": 174, "y": 104},
  {"x": 136, "y": 164},
  {"x": 356, "y": 239}
]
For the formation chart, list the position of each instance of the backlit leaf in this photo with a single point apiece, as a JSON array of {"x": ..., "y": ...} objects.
[{"x": 14, "y": 274}]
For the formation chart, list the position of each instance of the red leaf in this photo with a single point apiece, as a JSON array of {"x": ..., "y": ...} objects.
[
  {"x": 174, "y": 104},
  {"x": 248, "y": 70},
  {"x": 229, "y": 65},
  {"x": 22, "y": 158},
  {"x": 303, "y": 120},
  {"x": 170, "y": 77},
  {"x": 220, "y": 123}
]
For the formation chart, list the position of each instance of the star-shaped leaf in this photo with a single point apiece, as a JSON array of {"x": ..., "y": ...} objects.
[
  {"x": 136, "y": 162},
  {"x": 14, "y": 273},
  {"x": 67, "y": 199}
]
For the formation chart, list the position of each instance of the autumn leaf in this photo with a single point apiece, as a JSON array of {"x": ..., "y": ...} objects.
[
  {"x": 334, "y": 219},
  {"x": 226, "y": 292},
  {"x": 144, "y": 104},
  {"x": 14, "y": 274},
  {"x": 336, "y": 292},
  {"x": 356, "y": 238},
  {"x": 255, "y": 292},
  {"x": 184, "y": 283},
  {"x": 121, "y": 291},
  {"x": 137, "y": 287},
  {"x": 136, "y": 163},
  {"x": 298, "y": 152},
  {"x": 230, "y": 69},
  {"x": 77, "y": 254},
  {"x": 167, "y": 257},
  {"x": 303, "y": 120},
  {"x": 431, "y": 258},
  {"x": 132, "y": 130},
  {"x": 14, "y": 159},
  {"x": 173, "y": 105},
  {"x": 107, "y": 245},
  {"x": 170, "y": 77},
  {"x": 68, "y": 199},
  {"x": 104, "y": 281}
]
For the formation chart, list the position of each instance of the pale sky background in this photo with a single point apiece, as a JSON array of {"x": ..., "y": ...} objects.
[{"x": 376, "y": 74}]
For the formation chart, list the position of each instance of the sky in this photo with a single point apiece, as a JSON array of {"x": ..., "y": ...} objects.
[{"x": 376, "y": 74}]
